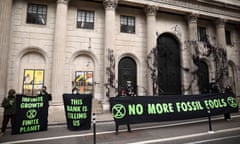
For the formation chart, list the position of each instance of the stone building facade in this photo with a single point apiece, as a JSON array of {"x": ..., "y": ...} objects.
[{"x": 160, "y": 46}]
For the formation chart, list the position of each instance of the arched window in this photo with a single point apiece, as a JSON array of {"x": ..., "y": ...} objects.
[
  {"x": 83, "y": 74},
  {"x": 32, "y": 73},
  {"x": 127, "y": 72}
]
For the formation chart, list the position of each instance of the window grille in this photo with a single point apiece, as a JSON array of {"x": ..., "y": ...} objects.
[
  {"x": 37, "y": 14},
  {"x": 202, "y": 34},
  {"x": 228, "y": 37},
  {"x": 127, "y": 24},
  {"x": 85, "y": 19},
  {"x": 33, "y": 81}
]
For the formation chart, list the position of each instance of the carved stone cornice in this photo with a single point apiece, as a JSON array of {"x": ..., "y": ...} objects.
[
  {"x": 110, "y": 4},
  {"x": 192, "y": 18},
  {"x": 63, "y": 1},
  {"x": 151, "y": 10},
  {"x": 199, "y": 7}
]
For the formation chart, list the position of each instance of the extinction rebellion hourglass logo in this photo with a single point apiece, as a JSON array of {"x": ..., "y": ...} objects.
[
  {"x": 232, "y": 102},
  {"x": 119, "y": 111},
  {"x": 32, "y": 113}
]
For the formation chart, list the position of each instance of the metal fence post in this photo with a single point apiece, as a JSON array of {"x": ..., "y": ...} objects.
[
  {"x": 209, "y": 121},
  {"x": 94, "y": 127}
]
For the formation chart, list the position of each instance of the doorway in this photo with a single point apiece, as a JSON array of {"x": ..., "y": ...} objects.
[
  {"x": 127, "y": 73},
  {"x": 203, "y": 77},
  {"x": 169, "y": 75}
]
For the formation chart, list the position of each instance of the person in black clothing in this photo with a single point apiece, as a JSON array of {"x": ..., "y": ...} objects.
[
  {"x": 213, "y": 87},
  {"x": 75, "y": 90},
  {"x": 122, "y": 94},
  {"x": 43, "y": 92},
  {"x": 228, "y": 90},
  {"x": 9, "y": 105}
]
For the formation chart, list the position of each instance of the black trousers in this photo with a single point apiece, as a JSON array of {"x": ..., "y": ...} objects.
[
  {"x": 5, "y": 121},
  {"x": 227, "y": 116},
  {"x": 117, "y": 126}
]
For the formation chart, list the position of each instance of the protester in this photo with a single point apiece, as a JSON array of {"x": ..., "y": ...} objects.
[
  {"x": 228, "y": 90},
  {"x": 129, "y": 88},
  {"x": 75, "y": 90},
  {"x": 213, "y": 87},
  {"x": 122, "y": 94},
  {"x": 9, "y": 105},
  {"x": 43, "y": 92}
]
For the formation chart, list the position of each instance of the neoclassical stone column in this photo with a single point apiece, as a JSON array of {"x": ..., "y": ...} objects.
[
  {"x": 220, "y": 31},
  {"x": 238, "y": 63},
  {"x": 221, "y": 44},
  {"x": 151, "y": 12},
  {"x": 192, "y": 41},
  {"x": 5, "y": 27},
  {"x": 58, "y": 51},
  {"x": 192, "y": 26},
  {"x": 109, "y": 44}
]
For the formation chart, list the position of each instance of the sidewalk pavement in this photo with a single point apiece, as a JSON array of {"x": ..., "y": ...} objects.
[{"x": 58, "y": 119}]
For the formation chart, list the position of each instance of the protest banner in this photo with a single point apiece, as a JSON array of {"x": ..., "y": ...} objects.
[
  {"x": 32, "y": 114},
  {"x": 142, "y": 109},
  {"x": 78, "y": 111}
]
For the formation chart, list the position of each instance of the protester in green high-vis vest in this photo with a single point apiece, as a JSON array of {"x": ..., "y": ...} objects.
[{"x": 9, "y": 105}]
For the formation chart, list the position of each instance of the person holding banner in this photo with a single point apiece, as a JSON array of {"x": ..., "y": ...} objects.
[
  {"x": 44, "y": 92},
  {"x": 228, "y": 90},
  {"x": 9, "y": 105},
  {"x": 122, "y": 94},
  {"x": 213, "y": 87}
]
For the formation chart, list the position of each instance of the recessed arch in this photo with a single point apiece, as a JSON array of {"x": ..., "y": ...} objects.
[
  {"x": 32, "y": 63},
  {"x": 82, "y": 69},
  {"x": 169, "y": 60},
  {"x": 127, "y": 72},
  {"x": 232, "y": 71},
  {"x": 34, "y": 50},
  {"x": 203, "y": 77}
]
